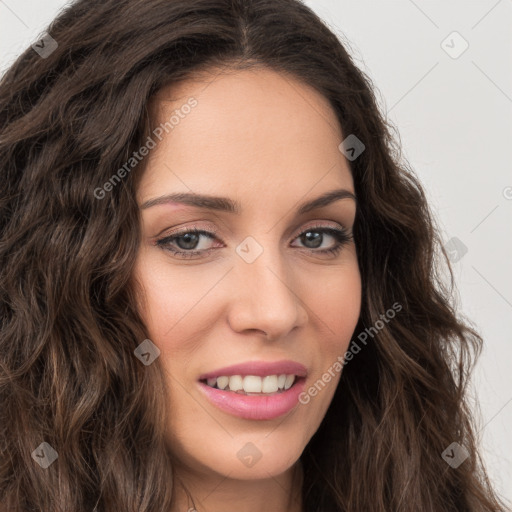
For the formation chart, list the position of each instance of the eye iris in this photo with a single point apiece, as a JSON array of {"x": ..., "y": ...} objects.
[
  {"x": 191, "y": 240},
  {"x": 315, "y": 237}
]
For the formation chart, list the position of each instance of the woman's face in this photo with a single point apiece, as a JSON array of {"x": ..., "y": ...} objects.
[{"x": 251, "y": 288}]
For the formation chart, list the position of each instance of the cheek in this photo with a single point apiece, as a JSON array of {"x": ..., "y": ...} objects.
[
  {"x": 336, "y": 310},
  {"x": 174, "y": 299},
  {"x": 334, "y": 307},
  {"x": 337, "y": 306}
]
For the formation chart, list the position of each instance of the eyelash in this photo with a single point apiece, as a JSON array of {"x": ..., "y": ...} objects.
[{"x": 341, "y": 236}]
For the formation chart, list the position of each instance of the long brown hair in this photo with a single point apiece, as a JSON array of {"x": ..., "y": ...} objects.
[{"x": 69, "y": 325}]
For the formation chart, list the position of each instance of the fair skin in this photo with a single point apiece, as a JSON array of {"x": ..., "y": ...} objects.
[{"x": 271, "y": 144}]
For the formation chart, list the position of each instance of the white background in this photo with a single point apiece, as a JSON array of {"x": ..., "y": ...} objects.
[{"x": 454, "y": 116}]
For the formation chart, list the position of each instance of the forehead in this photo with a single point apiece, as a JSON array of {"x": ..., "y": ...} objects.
[{"x": 255, "y": 128}]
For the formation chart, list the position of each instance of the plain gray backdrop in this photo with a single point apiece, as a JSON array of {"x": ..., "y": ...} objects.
[{"x": 443, "y": 76}]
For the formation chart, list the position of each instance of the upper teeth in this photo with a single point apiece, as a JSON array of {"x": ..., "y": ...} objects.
[{"x": 253, "y": 383}]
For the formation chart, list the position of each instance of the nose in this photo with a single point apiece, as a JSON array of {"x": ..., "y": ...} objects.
[{"x": 266, "y": 297}]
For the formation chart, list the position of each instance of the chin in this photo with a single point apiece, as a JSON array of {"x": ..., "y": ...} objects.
[{"x": 247, "y": 457}]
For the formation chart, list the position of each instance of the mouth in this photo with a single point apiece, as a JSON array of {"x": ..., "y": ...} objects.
[
  {"x": 255, "y": 390},
  {"x": 253, "y": 385}
]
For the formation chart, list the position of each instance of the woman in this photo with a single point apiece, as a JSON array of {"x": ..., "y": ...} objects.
[{"x": 219, "y": 284}]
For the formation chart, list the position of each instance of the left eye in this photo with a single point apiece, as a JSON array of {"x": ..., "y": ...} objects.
[{"x": 187, "y": 241}]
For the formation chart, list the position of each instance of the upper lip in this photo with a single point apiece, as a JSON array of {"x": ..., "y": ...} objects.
[{"x": 258, "y": 368}]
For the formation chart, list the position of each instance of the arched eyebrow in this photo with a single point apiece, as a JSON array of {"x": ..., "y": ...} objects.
[{"x": 224, "y": 204}]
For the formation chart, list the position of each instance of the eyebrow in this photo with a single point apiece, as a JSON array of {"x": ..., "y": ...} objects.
[{"x": 225, "y": 204}]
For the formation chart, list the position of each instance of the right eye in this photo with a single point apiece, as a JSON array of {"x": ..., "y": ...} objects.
[{"x": 186, "y": 241}]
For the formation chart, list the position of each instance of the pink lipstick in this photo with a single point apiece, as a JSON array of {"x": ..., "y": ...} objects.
[{"x": 255, "y": 390}]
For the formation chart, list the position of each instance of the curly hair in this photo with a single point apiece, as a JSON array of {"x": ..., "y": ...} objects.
[{"x": 69, "y": 321}]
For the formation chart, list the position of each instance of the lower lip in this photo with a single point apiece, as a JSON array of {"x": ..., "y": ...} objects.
[{"x": 253, "y": 407}]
